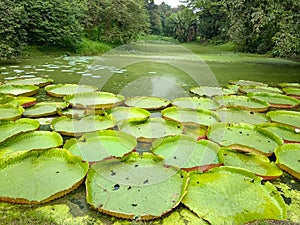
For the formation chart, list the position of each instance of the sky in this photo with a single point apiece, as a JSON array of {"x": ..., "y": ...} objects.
[{"x": 173, "y": 3}]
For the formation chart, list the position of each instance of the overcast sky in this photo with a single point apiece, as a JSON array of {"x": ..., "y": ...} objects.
[{"x": 173, "y": 3}]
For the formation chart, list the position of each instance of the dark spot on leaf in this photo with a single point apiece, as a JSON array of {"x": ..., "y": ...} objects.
[
  {"x": 136, "y": 165},
  {"x": 129, "y": 188},
  {"x": 134, "y": 205},
  {"x": 116, "y": 187},
  {"x": 175, "y": 157},
  {"x": 252, "y": 113},
  {"x": 178, "y": 126},
  {"x": 113, "y": 173},
  {"x": 146, "y": 181},
  {"x": 57, "y": 171},
  {"x": 299, "y": 161},
  {"x": 225, "y": 154},
  {"x": 181, "y": 176},
  {"x": 241, "y": 132},
  {"x": 197, "y": 182},
  {"x": 248, "y": 135}
]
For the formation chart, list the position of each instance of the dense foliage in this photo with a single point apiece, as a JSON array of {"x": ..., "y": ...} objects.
[{"x": 258, "y": 26}]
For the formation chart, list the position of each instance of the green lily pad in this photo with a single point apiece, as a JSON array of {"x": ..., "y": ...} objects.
[
  {"x": 19, "y": 90},
  {"x": 62, "y": 90},
  {"x": 72, "y": 112},
  {"x": 19, "y": 100},
  {"x": 291, "y": 118},
  {"x": 130, "y": 114},
  {"x": 150, "y": 129},
  {"x": 30, "y": 141},
  {"x": 241, "y": 116},
  {"x": 243, "y": 102},
  {"x": 37, "y": 81},
  {"x": 293, "y": 92},
  {"x": 254, "y": 89},
  {"x": 77, "y": 127},
  {"x": 147, "y": 102},
  {"x": 186, "y": 153},
  {"x": 211, "y": 91},
  {"x": 247, "y": 83},
  {"x": 136, "y": 187},
  {"x": 276, "y": 100},
  {"x": 226, "y": 195},
  {"x": 10, "y": 112},
  {"x": 186, "y": 116},
  {"x": 287, "y": 133},
  {"x": 43, "y": 109},
  {"x": 254, "y": 163},
  {"x": 289, "y": 85},
  {"x": 11, "y": 128},
  {"x": 97, "y": 146},
  {"x": 40, "y": 176},
  {"x": 244, "y": 137},
  {"x": 288, "y": 158},
  {"x": 195, "y": 103},
  {"x": 94, "y": 100}
]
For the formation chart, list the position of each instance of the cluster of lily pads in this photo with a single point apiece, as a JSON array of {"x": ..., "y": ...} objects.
[{"x": 140, "y": 157}]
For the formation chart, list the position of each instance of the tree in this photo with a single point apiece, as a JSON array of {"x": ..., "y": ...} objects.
[{"x": 12, "y": 34}]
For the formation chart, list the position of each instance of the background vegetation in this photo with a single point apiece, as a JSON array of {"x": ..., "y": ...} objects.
[{"x": 93, "y": 26}]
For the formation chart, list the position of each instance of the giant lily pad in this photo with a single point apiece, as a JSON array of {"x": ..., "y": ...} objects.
[
  {"x": 130, "y": 114},
  {"x": 10, "y": 128},
  {"x": 243, "y": 102},
  {"x": 40, "y": 176},
  {"x": 95, "y": 100},
  {"x": 19, "y": 100},
  {"x": 147, "y": 102},
  {"x": 151, "y": 129},
  {"x": 187, "y": 153},
  {"x": 37, "y": 81},
  {"x": 77, "y": 127},
  {"x": 211, "y": 91},
  {"x": 72, "y": 112},
  {"x": 291, "y": 85},
  {"x": 255, "y": 163},
  {"x": 287, "y": 133},
  {"x": 244, "y": 137},
  {"x": 291, "y": 118},
  {"x": 195, "y": 103},
  {"x": 137, "y": 187},
  {"x": 227, "y": 195},
  {"x": 241, "y": 116},
  {"x": 247, "y": 83},
  {"x": 19, "y": 90},
  {"x": 97, "y": 146},
  {"x": 186, "y": 116},
  {"x": 288, "y": 158},
  {"x": 254, "y": 89},
  {"x": 43, "y": 109},
  {"x": 276, "y": 100},
  {"x": 61, "y": 90},
  {"x": 30, "y": 141},
  {"x": 10, "y": 112},
  {"x": 293, "y": 92}
]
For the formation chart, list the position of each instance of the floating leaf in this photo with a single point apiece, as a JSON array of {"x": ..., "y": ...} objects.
[
  {"x": 288, "y": 158},
  {"x": 94, "y": 100},
  {"x": 291, "y": 118},
  {"x": 72, "y": 112},
  {"x": 130, "y": 114},
  {"x": 37, "y": 81},
  {"x": 291, "y": 85},
  {"x": 247, "y": 83},
  {"x": 61, "y": 90},
  {"x": 40, "y": 176},
  {"x": 97, "y": 146},
  {"x": 254, "y": 163},
  {"x": 293, "y": 92},
  {"x": 241, "y": 116},
  {"x": 43, "y": 109},
  {"x": 19, "y": 100},
  {"x": 19, "y": 90},
  {"x": 137, "y": 187},
  {"x": 211, "y": 91},
  {"x": 228, "y": 195},
  {"x": 194, "y": 116},
  {"x": 195, "y": 103},
  {"x": 10, "y": 112},
  {"x": 244, "y": 137},
  {"x": 151, "y": 129},
  {"x": 187, "y": 153},
  {"x": 77, "y": 127},
  {"x": 147, "y": 102},
  {"x": 287, "y": 133},
  {"x": 30, "y": 141},
  {"x": 243, "y": 102},
  {"x": 276, "y": 100},
  {"x": 254, "y": 89},
  {"x": 10, "y": 128}
]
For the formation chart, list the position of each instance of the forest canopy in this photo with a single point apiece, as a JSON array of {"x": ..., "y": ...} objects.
[{"x": 258, "y": 26}]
